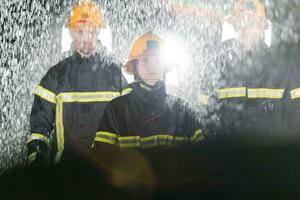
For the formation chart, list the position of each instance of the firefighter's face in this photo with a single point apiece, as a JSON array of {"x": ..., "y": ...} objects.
[
  {"x": 150, "y": 69},
  {"x": 85, "y": 40},
  {"x": 250, "y": 27}
]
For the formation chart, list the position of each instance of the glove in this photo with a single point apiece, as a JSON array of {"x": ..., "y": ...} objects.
[{"x": 37, "y": 152}]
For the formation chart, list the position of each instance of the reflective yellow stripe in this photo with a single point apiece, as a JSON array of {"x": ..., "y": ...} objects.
[
  {"x": 107, "y": 134},
  {"x": 265, "y": 93},
  {"x": 70, "y": 97},
  {"x": 144, "y": 142},
  {"x": 157, "y": 140},
  {"x": 295, "y": 93},
  {"x": 231, "y": 92},
  {"x": 106, "y": 137},
  {"x": 126, "y": 91},
  {"x": 87, "y": 96},
  {"x": 59, "y": 130},
  {"x": 181, "y": 139},
  {"x": 129, "y": 141},
  {"x": 32, "y": 157},
  {"x": 203, "y": 99},
  {"x": 45, "y": 94},
  {"x": 37, "y": 136},
  {"x": 157, "y": 137},
  {"x": 198, "y": 136},
  {"x": 126, "y": 138},
  {"x": 104, "y": 140}
]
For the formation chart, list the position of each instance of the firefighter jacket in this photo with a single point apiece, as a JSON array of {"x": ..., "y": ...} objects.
[
  {"x": 147, "y": 118},
  {"x": 252, "y": 94},
  {"x": 70, "y": 100}
]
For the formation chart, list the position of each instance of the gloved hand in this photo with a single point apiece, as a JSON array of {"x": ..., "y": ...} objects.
[{"x": 37, "y": 152}]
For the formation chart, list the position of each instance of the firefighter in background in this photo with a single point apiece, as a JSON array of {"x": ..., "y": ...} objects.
[
  {"x": 147, "y": 117},
  {"x": 252, "y": 91},
  {"x": 71, "y": 97}
]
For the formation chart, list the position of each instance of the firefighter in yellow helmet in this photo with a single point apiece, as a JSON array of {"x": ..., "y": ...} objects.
[
  {"x": 71, "y": 97},
  {"x": 249, "y": 24},
  {"x": 251, "y": 89},
  {"x": 84, "y": 26},
  {"x": 147, "y": 117}
]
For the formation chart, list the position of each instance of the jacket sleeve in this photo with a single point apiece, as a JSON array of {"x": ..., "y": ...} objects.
[
  {"x": 196, "y": 130},
  {"x": 42, "y": 116},
  {"x": 107, "y": 133},
  {"x": 291, "y": 104},
  {"x": 104, "y": 148}
]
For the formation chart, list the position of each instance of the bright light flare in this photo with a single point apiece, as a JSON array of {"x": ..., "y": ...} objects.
[{"x": 175, "y": 56}]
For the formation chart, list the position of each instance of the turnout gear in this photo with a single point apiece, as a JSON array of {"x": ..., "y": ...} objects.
[
  {"x": 86, "y": 14},
  {"x": 253, "y": 94},
  {"x": 70, "y": 99},
  {"x": 147, "y": 117}
]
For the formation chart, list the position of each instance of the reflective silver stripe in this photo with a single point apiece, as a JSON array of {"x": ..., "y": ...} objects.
[
  {"x": 265, "y": 93},
  {"x": 87, "y": 96},
  {"x": 37, "y": 136},
  {"x": 231, "y": 92},
  {"x": 295, "y": 93},
  {"x": 45, "y": 94}
]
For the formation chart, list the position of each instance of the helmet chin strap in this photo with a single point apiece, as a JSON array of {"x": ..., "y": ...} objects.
[{"x": 84, "y": 55}]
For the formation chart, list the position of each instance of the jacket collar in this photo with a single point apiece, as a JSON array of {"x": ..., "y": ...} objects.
[{"x": 151, "y": 95}]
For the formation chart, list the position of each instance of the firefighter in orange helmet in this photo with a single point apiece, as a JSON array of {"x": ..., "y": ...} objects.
[
  {"x": 145, "y": 122},
  {"x": 72, "y": 95},
  {"x": 147, "y": 116}
]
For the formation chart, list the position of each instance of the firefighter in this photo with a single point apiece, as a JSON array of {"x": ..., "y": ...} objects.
[
  {"x": 147, "y": 117},
  {"x": 252, "y": 91},
  {"x": 71, "y": 97},
  {"x": 137, "y": 129}
]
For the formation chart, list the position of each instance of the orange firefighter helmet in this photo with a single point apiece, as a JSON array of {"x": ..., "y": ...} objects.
[
  {"x": 147, "y": 44},
  {"x": 256, "y": 6}
]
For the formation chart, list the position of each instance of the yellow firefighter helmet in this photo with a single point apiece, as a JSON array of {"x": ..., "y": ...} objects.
[
  {"x": 147, "y": 44},
  {"x": 86, "y": 14}
]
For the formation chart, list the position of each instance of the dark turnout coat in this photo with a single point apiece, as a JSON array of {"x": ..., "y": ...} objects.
[
  {"x": 147, "y": 118},
  {"x": 70, "y": 100},
  {"x": 252, "y": 94}
]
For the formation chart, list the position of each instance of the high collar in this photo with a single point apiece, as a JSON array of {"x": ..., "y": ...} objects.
[
  {"x": 152, "y": 95},
  {"x": 84, "y": 64}
]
